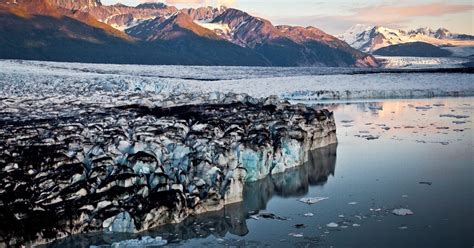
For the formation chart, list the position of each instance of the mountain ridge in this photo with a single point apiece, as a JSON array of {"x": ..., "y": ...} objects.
[
  {"x": 188, "y": 36},
  {"x": 371, "y": 38}
]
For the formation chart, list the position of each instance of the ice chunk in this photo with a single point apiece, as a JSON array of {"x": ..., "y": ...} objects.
[
  {"x": 145, "y": 241},
  {"x": 402, "y": 212},
  {"x": 312, "y": 200},
  {"x": 332, "y": 225},
  {"x": 423, "y": 107},
  {"x": 308, "y": 214},
  {"x": 254, "y": 216},
  {"x": 296, "y": 235}
]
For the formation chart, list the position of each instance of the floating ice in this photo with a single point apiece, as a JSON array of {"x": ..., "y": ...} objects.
[
  {"x": 332, "y": 225},
  {"x": 402, "y": 212},
  {"x": 312, "y": 200},
  {"x": 352, "y": 203},
  {"x": 309, "y": 214},
  {"x": 296, "y": 235},
  {"x": 267, "y": 216},
  {"x": 145, "y": 241},
  {"x": 255, "y": 217}
]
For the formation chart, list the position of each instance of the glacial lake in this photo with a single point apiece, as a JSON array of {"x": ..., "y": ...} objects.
[{"x": 415, "y": 154}]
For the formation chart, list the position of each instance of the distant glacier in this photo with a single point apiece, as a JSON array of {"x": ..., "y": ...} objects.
[{"x": 35, "y": 78}]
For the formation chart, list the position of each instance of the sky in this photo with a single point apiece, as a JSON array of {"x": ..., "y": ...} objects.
[{"x": 336, "y": 16}]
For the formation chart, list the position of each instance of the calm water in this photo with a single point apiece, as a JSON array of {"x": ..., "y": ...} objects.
[{"x": 385, "y": 150}]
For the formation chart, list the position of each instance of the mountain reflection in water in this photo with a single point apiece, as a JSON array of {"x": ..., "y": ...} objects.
[{"x": 232, "y": 219}]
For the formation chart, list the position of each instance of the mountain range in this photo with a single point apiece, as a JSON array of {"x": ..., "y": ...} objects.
[
  {"x": 155, "y": 33},
  {"x": 371, "y": 38}
]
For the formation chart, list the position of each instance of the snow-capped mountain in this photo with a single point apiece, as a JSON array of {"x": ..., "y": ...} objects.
[
  {"x": 155, "y": 33},
  {"x": 371, "y": 38}
]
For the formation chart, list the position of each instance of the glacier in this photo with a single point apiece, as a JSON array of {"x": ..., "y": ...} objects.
[
  {"x": 130, "y": 162},
  {"x": 99, "y": 81}
]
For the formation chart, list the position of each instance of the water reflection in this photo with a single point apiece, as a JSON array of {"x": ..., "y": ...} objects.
[
  {"x": 232, "y": 219},
  {"x": 321, "y": 164}
]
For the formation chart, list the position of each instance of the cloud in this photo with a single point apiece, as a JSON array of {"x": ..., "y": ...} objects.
[{"x": 382, "y": 14}]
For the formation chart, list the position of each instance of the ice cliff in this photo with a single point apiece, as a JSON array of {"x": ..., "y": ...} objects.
[{"x": 127, "y": 163}]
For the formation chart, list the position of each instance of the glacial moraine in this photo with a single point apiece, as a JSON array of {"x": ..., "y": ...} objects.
[{"x": 128, "y": 163}]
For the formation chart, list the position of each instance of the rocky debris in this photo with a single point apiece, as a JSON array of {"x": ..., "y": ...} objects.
[
  {"x": 298, "y": 226},
  {"x": 132, "y": 162},
  {"x": 454, "y": 116},
  {"x": 375, "y": 107},
  {"x": 370, "y": 137},
  {"x": 347, "y": 121},
  {"x": 426, "y": 183},
  {"x": 267, "y": 216}
]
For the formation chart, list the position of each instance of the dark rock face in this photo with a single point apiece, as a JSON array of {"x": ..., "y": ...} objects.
[{"x": 141, "y": 163}]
